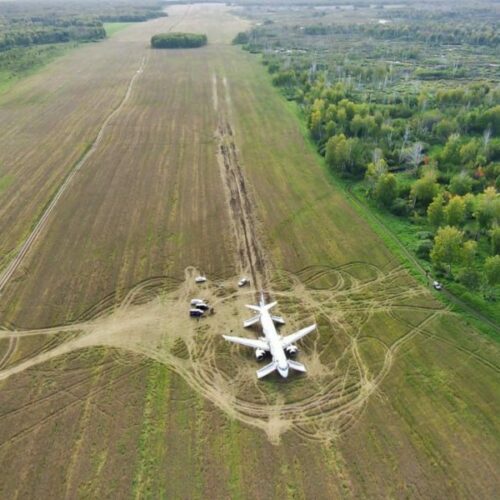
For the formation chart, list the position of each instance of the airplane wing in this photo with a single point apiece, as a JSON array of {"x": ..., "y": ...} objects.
[
  {"x": 254, "y": 343},
  {"x": 290, "y": 339},
  {"x": 266, "y": 370},
  {"x": 251, "y": 321}
]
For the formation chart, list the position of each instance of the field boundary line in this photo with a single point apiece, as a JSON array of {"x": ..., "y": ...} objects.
[{"x": 12, "y": 267}]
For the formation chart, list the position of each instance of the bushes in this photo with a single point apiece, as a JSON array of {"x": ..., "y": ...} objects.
[
  {"x": 241, "y": 38},
  {"x": 178, "y": 40}
]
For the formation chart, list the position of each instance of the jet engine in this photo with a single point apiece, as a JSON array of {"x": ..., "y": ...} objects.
[
  {"x": 260, "y": 354},
  {"x": 292, "y": 350}
]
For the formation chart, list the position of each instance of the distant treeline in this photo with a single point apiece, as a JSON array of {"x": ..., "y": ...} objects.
[
  {"x": 47, "y": 35},
  {"x": 178, "y": 40},
  {"x": 25, "y": 24},
  {"x": 487, "y": 34}
]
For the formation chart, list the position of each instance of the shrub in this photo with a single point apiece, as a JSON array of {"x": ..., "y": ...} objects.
[
  {"x": 399, "y": 207},
  {"x": 424, "y": 249},
  {"x": 241, "y": 38},
  {"x": 471, "y": 278}
]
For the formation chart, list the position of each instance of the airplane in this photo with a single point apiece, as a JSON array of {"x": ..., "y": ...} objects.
[{"x": 272, "y": 342}]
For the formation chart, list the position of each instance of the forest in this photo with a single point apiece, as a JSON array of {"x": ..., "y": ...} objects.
[{"x": 405, "y": 108}]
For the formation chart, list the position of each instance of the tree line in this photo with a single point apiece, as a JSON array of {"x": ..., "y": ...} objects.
[
  {"x": 428, "y": 154},
  {"x": 429, "y": 32},
  {"x": 23, "y": 24}
]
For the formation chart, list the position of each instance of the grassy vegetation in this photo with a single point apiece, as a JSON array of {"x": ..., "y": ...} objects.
[
  {"x": 113, "y": 28},
  {"x": 5, "y": 181},
  {"x": 152, "y": 437},
  {"x": 17, "y": 64}
]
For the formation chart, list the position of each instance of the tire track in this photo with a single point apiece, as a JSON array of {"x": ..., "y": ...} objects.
[
  {"x": 9, "y": 271},
  {"x": 250, "y": 253}
]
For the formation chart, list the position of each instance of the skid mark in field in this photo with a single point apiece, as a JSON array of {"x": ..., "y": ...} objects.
[
  {"x": 152, "y": 320},
  {"x": 250, "y": 255}
]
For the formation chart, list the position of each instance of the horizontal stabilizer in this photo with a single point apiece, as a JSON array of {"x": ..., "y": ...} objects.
[
  {"x": 251, "y": 321},
  {"x": 254, "y": 343},
  {"x": 296, "y": 366},
  {"x": 266, "y": 370},
  {"x": 254, "y": 308},
  {"x": 290, "y": 339},
  {"x": 278, "y": 319},
  {"x": 261, "y": 309}
]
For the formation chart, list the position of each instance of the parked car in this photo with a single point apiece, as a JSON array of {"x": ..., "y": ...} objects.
[
  {"x": 200, "y": 279},
  {"x": 243, "y": 282},
  {"x": 437, "y": 285},
  {"x": 196, "y": 313},
  {"x": 195, "y": 302}
]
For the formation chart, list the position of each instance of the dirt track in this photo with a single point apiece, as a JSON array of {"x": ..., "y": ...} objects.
[
  {"x": 249, "y": 251},
  {"x": 12, "y": 267}
]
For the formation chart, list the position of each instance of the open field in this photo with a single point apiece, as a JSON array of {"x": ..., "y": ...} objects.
[{"x": 190, "y": 160}]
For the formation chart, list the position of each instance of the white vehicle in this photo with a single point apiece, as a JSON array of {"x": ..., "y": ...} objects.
[
  {"x": 243, "y": 282},
  {"x": 437, "y": 285},
  {"x": 200, "y": 279},
  {"x": 272, "y": 342},
  {"x": 195, "y": 302}
]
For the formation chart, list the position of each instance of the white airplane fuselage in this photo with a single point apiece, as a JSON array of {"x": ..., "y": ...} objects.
[
  {"x": 275, "y": 347},
  {"x": 271, "y": 341}
]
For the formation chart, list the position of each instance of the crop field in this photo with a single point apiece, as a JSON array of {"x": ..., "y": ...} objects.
[{"x": 130, "y": 170}]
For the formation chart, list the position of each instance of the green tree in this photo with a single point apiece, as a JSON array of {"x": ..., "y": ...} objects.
[
  {"x": 374, "y": 171},
  {"x": 455, "y": 211},
  {"x": 447, "y": 247},
  {"x": 451, "y": 151},
  {"x": 495, "y": 240},
  {"x": 435, "y": 211},
  {"x": 461, "y": 184},
  {"x": 347, "y": 156},
  {"x": 241, "y": 38},
  {"x": 424, "y": 189},
  {"x": 386, "y": 189},
  {"x": 316, "y": 118},
  {"x": 444, "y": 128},
  {"x": 488, "y": 208},
  {"x": 492, "y": 270},
  {"x": 338, "y": 152},
  {"x": 469, "y": 251},
  {"x": 470, "y": 277}
]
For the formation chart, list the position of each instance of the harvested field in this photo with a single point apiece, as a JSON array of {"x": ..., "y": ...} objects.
[{"x": 107, "y": 389}]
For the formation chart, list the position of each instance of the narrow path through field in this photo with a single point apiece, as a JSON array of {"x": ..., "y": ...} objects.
[{"x": 9, "y": 271}]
